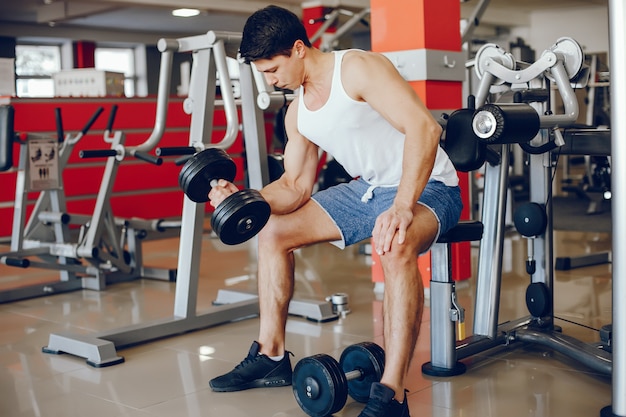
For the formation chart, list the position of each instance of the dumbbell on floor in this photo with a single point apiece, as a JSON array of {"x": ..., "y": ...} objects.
[
  {"x": 321, "y": 384},
  {"x": 242, "y": 214}
]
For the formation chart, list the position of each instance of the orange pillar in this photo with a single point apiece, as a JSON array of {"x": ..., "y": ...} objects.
[
  {"x": 401, "y": 25},
  {"x": 409, "y": 25}
]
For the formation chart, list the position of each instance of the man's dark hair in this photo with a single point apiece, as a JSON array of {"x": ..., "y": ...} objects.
[{"x": 270, "y": 32}]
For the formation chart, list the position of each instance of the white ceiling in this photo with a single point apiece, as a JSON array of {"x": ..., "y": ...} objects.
[{"x": 116, "y": 20}]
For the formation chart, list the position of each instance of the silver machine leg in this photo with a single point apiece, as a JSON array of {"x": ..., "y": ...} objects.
[
  {"x": 617, "y": 27},
  {"x": 444, "y": 311},
  {"x": 444, "y": 314},
  {"x": 490, "y": 255}
]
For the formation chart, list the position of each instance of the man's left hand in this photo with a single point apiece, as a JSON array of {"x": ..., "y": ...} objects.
[{"x": 392, "y": 221}]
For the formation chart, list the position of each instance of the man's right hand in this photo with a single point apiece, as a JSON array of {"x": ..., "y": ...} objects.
[{"x": 222, "y": 190}]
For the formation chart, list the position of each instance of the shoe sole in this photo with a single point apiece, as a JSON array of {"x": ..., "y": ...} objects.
[{"x": 259, "y": 383}]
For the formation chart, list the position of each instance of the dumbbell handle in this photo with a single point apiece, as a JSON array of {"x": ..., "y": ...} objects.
[{"x": 356, "y": 374}]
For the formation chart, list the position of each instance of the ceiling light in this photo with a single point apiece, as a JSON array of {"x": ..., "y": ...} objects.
[{"x": 185, "y": 12}]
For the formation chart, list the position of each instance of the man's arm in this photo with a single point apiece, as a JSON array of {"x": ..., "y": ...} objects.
[
  {"x": 295, "y": 186},
  {"x": 372, "y": 78}
]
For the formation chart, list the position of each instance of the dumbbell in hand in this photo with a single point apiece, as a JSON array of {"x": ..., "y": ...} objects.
[
  {"x": 242, "y": 214},
  {"x": 321, "y": 384}
]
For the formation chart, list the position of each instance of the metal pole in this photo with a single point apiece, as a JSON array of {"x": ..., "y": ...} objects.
[
  {"x": 474, "y": 20},
  {"x": 489, "y": 274},
  {"x": 167, "y": 48},
  {"x": 617, "y": 19}
]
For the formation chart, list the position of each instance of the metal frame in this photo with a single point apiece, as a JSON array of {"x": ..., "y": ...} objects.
[
  {"x": 495, "y": 68},
  {"x": 52, "y": 200},
  {"x": 97, "y": 256},
  {"x": 33, "y": 244},
  {"x": 328, "y": 40},
  {"x": 209, "y": 59},
  {"x": 617, "y": 23}
]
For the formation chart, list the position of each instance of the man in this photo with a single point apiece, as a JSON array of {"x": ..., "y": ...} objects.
[{"x": 355, "y": 106}]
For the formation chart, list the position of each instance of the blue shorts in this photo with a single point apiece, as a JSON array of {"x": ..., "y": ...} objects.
[{"x": 354, "y": 207}]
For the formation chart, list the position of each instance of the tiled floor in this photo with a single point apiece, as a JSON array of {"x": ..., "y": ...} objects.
[{"x": 168, "y": 377}]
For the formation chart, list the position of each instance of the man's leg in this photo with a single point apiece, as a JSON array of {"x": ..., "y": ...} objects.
[
  {"x": 279, "y": 238},
  {"x": 404, "y": 298},
  {"x": 264, "y": 366}
]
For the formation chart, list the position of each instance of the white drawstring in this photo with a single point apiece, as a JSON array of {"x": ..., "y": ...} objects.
[{"x": 368, "y": 194}]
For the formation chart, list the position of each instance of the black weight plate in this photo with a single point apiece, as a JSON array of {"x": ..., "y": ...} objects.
[
  {"x": 317, "y": 386},
  {"x": 220, "y": 165},
  {"x": 189, "y": 171},
  {"x": 341, "y": 391},
  {"x": 193, "y": 184},
  {"x": 192, "y": 164},
  {"x": 197, "y": 162},
  {"x": 367, "y": 357},
  {"x": 200, "y": 169},
  {"x": 240, "y": 217},
  {"x": 228, "y": 207},
  {"x": 209, "y": 164},
  {"x": 246, "y": 221},
  {"x": 538, "y": 299},
  {"x": 530, "y": 219}
]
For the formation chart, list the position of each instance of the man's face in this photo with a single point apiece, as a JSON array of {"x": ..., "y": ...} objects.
[{"x": 282, "y": 71}]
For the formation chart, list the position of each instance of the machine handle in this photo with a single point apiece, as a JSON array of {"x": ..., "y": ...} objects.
[
  {"x": 111, "y": 118},
  {"x": 92, "y": 120},
  {"x": 59, "y": 122},
  {"x": 529, "y": 96},
  {"x": 230, "y": 107},
  {"x": 175, "y": 150},
  {"x": 97, "y": 153},
  {"x": 182, "y": 160},
  {"x": 167, "y": 47},
  {"x": 17, "y": 262},
  {"x": 148, "y": 158}
]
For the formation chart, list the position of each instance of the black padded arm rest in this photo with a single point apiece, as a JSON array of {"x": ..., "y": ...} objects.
[{"x": 464, "y": 231}]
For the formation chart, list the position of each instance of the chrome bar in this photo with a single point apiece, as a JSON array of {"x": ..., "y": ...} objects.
[
  {"x": 489, "y": 272},
  {"x": 617, "y": 21},
  {"x": 167, "y": 48},
  {"x": 230, "y": 108}
]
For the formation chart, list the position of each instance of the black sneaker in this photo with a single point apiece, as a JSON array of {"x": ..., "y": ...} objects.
[
  {"x": 255, "y": 371},
  {"x": 382, "y": 403}
]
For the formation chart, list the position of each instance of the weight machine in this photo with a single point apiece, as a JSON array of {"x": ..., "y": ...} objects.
[
  {"x": 490, "y": 130},
  {"x": 328, "y": 41},
  {"x": 209, "y": 52},
  {"x": 51, "y": 204},
  {"x": 107, "y": 249}
]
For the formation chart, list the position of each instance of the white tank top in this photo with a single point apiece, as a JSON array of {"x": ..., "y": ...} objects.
[{"x": 352, "y": 132}]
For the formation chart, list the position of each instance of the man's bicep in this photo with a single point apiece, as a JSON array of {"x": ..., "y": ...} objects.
[
  {"x": 301, "y": 158},
  {"x": 301, "y": 155}
]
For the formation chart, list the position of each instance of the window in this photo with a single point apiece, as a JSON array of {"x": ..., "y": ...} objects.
[
  {"x": 118, "y": 60},
  {"x": 34, "y": 66}
]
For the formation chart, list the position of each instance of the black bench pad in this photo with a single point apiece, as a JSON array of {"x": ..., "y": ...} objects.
[{"x": 464, "y": 231}]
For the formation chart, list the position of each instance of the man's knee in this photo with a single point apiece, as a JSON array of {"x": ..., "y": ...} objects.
[
  {"x": 270, "y": 235},
  {"x": 400, "y": 255}
]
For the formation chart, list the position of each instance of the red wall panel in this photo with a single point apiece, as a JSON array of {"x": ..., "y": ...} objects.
[{"x": 140, "y": 189}]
